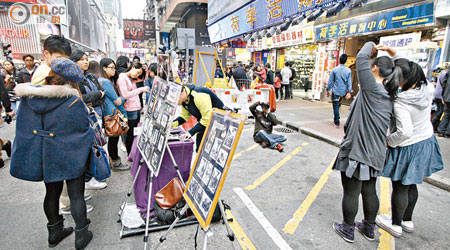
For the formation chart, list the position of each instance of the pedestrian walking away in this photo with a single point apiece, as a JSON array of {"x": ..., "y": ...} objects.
[
  {"x": 413, "y": 151},
  {"x": 53, "y": 144},
  {"x": 363, "y": 149},
  {"x": 340, "y": 84},
  {"x": 444, "y": 126}
]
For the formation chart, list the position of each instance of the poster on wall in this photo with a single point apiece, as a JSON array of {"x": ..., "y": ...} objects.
[
  {"x": 400, "y": 43},
  {"x": 319, "y": 72},
  {"x": 158, "y": 119},
  {"x": 85, "y": 23},
  {"x": 139, "y": 29},
  {"x": 212, "y": 164}
]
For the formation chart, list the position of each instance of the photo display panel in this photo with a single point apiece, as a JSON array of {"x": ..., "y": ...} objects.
[
  {"x": 159, "y": 115},
  {"x": 212, "y": 163}
]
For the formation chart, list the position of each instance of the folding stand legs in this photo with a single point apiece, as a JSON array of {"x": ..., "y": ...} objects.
[
  {"x": 230, "y": 233},
  {"x": 175, "y": 165},
  {"x": 148, "y": 212},
  {"x": 164, "y": 236},
  {"x": 130, "y": 190}
]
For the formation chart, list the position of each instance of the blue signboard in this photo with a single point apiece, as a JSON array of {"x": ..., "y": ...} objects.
[
  {"x": 402, "y": 18},
  {"x": 259, "y": 14}
]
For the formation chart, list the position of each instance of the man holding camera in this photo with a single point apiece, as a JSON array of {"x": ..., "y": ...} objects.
[
  {"x": 4, "y": 98},
  {"x": 264, "y": 122}
]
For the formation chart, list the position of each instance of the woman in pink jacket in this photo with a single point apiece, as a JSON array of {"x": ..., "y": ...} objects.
[{"x": 129, "y": 91}]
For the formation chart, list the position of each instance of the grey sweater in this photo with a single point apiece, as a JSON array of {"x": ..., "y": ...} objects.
[{"x": 370, "y": 113}]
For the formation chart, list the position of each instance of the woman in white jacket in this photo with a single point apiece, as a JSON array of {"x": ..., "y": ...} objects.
[{"x": 413, "y": 151}]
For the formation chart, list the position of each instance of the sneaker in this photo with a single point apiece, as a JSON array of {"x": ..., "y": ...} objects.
[
  {"x": 336, "y": 126},
  {"x": 2, "y": 163},
  {"x": 346, "y": 231},
  {"x": 366, "y": 229},
  {"x": 385, "y": 222},
  {"x": 7, "y": 148},
  {"x": 123, "y": 148},
  {"x": 264, "y": 144},
  {"x": 87, "y": 196},
  {"x": 89, "y": 208},
  {"x": 93, "y": 184},
  {"x": 408, "y": 226},
  {"x": 121, "y": 167},
  {"x": 280, "y": 148}
]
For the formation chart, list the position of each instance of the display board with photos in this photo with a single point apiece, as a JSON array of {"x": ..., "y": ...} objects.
[
  {"x": 212, "y": 163},
  {"x": 159, "y": 115}
]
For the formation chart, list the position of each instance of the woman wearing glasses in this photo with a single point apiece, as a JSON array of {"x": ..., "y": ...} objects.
[{"x": 113, "y": 103}]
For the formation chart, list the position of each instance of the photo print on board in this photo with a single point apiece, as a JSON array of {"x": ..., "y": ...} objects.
[
  {"x": 193, "y": 187},
  {"x": 222, "y": 158},
  {"x": 155, "y": 136},
  {"x": 148, "y": 150},
  {"x": 199, "y": 194},
  {"x": 207, "y": 174},
  {"x": 230, "y": 137},
  {"x": 215, "y": 149},
  {"x": 215, "y": 179},
  {"x": 172, "y": 96},
  {"x": 201, "y": 168},
  {"x": 164, "y": 119},
  {"x": 155, "y": 160},
  {"x": 161, "y": 143},
  {"x": 163, "y": 91},
  {"x": 205, "y": 204}
]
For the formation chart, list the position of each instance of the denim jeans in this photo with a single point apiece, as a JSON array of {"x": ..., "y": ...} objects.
[
  {"x": 272, "y": 139},
  {"x": 336, "y": 105}
]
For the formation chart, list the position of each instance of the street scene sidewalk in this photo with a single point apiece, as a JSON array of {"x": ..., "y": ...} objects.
[{"x": 315, "y": 119}]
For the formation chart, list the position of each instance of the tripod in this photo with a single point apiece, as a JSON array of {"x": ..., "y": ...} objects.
[{"x": 230, "y": 233}]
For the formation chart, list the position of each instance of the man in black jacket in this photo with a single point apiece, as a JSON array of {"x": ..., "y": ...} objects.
[
  {"x": 26, "y": 73},
  {"x": 291, "y": 80},
  {"x": 264, "y": 122},
  {"x": 4, "y": 98},
  {"x": 269, "y": 79},
  {"x": 444, "y": 126}
]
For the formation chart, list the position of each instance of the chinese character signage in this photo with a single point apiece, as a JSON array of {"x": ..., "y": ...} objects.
[
  {"x": 400, "y": 43},
  {"x": 256, "y": 15},
  {"x": 413, "y": 16}
]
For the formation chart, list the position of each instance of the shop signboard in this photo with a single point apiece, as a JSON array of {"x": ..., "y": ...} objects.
[
  {"x": 400, "y": 43},
  {"x": 402, "y": 18},
  {"x": 319, "y": 72},
  {"x": 139, "y": 29},
  {"x": 220, "y": 8},
  {"x": 260, "y": 14}
]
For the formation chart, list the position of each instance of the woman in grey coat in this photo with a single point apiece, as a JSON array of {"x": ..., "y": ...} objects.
[{"x": 363, "y": 149}]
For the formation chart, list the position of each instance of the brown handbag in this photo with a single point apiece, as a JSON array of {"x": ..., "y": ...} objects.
[
  {"x": 170, "y": 194},
  {"x": 115, "y": 124}
]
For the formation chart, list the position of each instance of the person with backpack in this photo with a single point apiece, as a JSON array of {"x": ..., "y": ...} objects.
[{"x": 363, "y": 149}]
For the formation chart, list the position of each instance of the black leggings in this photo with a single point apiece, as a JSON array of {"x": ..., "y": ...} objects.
[
  {"x": 403, "y": 201},
  {"x": 75, "y": 189},
  {"x": 352, "y": 188},
  {"x": 112, "y": 147},
  {"x": 130, "y": 134}
]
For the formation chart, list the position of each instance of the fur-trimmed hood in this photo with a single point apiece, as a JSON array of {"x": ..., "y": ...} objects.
[
  {"x": 45, "y": 91},
  {"x": 46, "y": 98}
]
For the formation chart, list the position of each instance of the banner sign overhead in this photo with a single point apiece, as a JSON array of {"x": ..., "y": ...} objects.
[{"x": 417, "y": 15}]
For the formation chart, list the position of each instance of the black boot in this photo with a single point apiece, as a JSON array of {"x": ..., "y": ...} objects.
[
  {"x": 57, "y": 232},
  {"x": 83, "y": 236},
  {"x": 7, "y": 148}
]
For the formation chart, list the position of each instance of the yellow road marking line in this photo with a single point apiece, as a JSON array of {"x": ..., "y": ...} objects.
[
  {"x": 387, "y": 242},
  {"x": 247, "y": 150},
  {"x": 293, "y": 223},
  {"x": 241, "y": 236},
  {"x": 275, "y": 168}
]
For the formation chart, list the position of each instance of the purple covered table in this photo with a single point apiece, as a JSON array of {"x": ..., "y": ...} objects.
[{"x": 182, "y": 152}]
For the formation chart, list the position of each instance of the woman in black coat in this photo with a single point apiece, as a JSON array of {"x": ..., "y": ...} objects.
[{"x": 53, "y": 144}]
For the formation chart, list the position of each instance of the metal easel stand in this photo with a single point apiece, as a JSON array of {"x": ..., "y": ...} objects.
[
  {"x": 130, "y": 190},
  {"x": 148, "y": 211},
  {"x": 230, "y": 233}
]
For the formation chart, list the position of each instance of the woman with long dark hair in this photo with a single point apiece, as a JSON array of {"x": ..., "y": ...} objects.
[
  {"x": 413, "y": 151},
  {"x": 113, "y": 103},
  {"x": 129, "y": 91},
  {"x": 53, "y": 144},
  {"x": 363, "y": 149},
  {"x": 11, "y": 81}
]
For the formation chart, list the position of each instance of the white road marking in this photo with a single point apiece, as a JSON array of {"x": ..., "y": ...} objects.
[{"x": 270, "y": 230}]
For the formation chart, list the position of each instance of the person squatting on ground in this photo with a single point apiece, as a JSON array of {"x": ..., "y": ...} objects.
[
  {"x": 198, "y": 102},
  {"x": 413, "y": 151},
  {"x": 444, "y": 126},
  {"x": 264, "y": 122},
  {"x": 128, "y": 90},
  {"x": 4, "y": 101},
  {"x": 53, "y": 144},
  {"x": 340, "y": 83},
  {"x": 113, "y": 104},
  {"x": 363, "y": 149}
]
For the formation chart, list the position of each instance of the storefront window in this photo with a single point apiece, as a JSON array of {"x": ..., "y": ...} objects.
[{"x": 302, "y": 59}]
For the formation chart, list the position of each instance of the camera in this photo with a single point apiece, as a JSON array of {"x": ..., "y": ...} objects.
[{"x": 8, "y": 119}]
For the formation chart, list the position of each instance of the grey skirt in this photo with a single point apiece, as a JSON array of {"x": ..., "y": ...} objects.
[{"x": 355, "y": 169}]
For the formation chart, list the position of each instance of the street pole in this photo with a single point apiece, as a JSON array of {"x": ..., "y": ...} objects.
[
  {"x": 186, "y": 67},
  {"x": 157, "y": 28}
]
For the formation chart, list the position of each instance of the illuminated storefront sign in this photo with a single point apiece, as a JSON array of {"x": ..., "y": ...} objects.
[{"x": 418, "y": 15}]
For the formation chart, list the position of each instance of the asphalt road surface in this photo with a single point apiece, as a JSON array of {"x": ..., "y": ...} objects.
[{"x": 278, "y": 201}]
